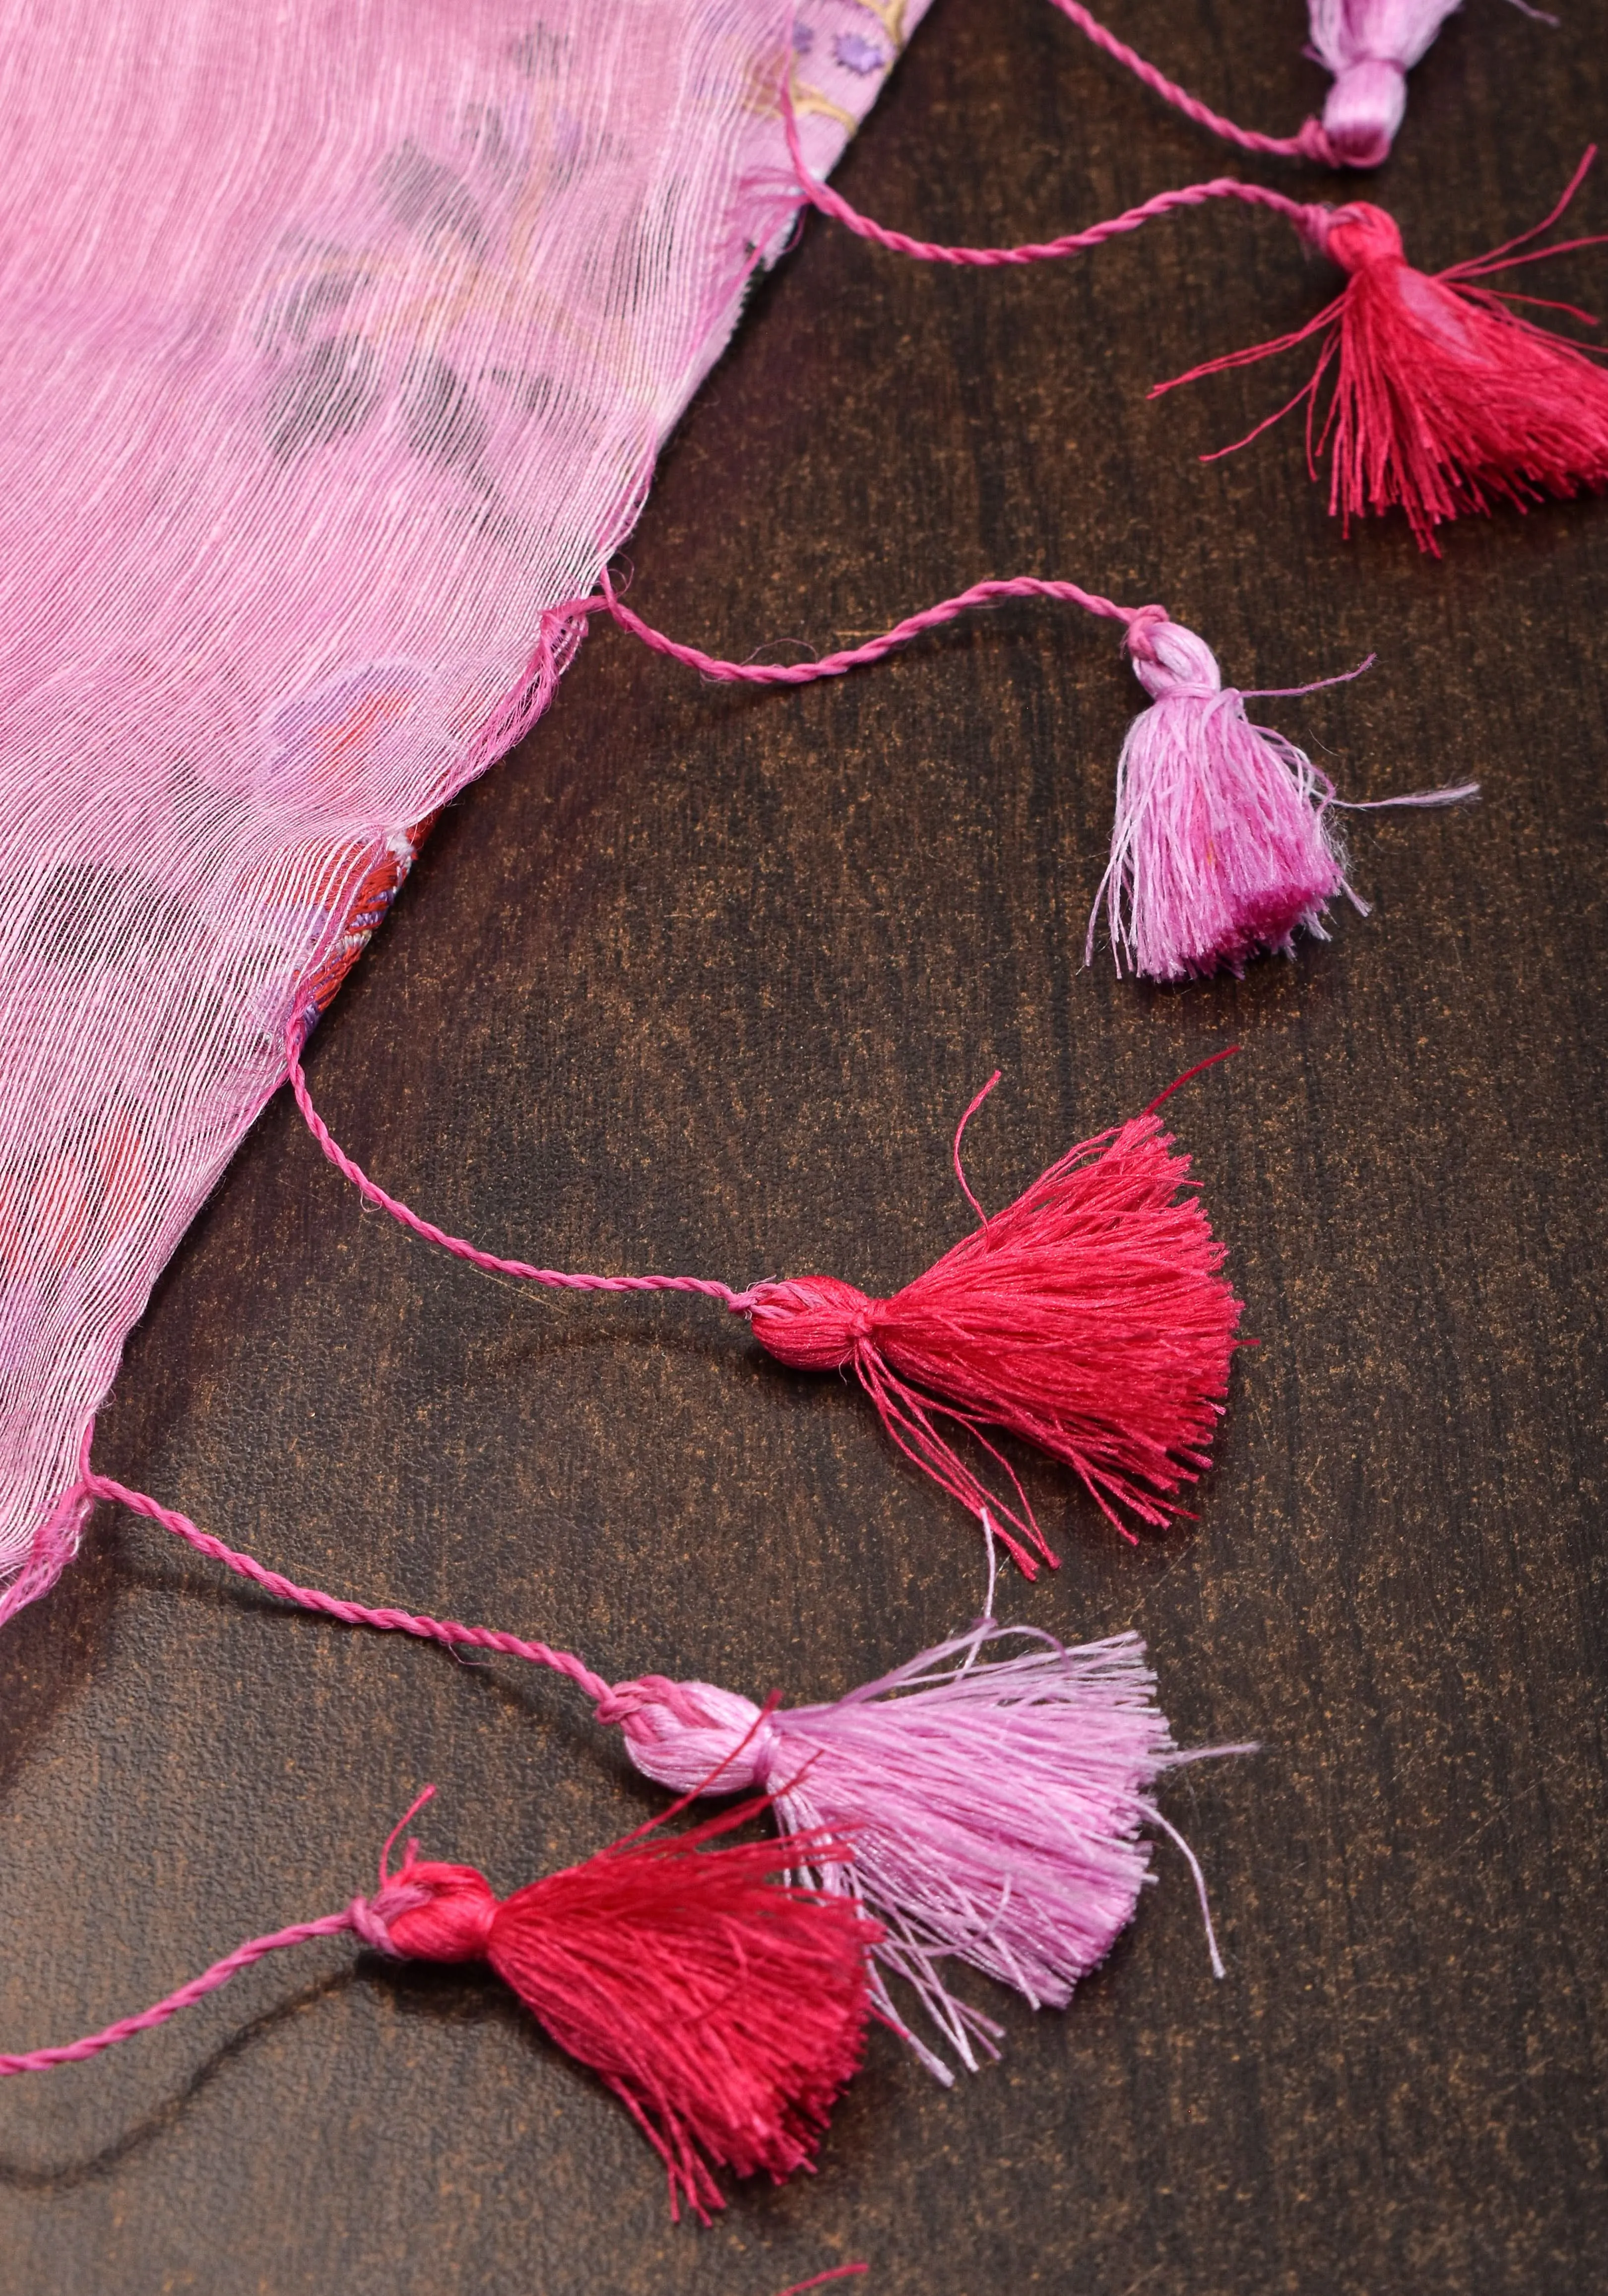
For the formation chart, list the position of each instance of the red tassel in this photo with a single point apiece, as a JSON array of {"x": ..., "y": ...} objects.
[
  {"x": 725, "y": 2008},
  {"x": 1444, "y": 400},
  {"x": 1090, "y": 1316},
  {"x": 725, "y": 2011}
]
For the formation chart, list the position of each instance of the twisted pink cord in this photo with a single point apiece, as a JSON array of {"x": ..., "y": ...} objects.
[
  {"x": 451, "y": 1632},
  {"x": 460, "y": 1249},
  {"x": 838, "y": 665},
  {"x": 831, "y": 664},
  {"x": 39, "y": 2061},
  {"x": 1311, "y": 143},
  {"x": 1311, "y": 222}
]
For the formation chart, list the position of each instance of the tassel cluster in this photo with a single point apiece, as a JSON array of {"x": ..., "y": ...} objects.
[
  {"x": 995, "y": 1804},
  {"x": 984, "y": 1803}
]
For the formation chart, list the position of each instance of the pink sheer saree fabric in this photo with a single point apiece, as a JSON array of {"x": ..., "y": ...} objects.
[{"x": 339, "y": 343}]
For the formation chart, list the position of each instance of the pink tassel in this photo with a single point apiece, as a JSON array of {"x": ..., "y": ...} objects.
[
  {"x": 1091, "y": 1317},
  {"x": 1444, "y": 400},
  {"x": 725, "y": 2012},
  {"x": 1221, "y": 845},
  {"x": 994, "y": 1807},
  {"x": 1370, "y": 46}
]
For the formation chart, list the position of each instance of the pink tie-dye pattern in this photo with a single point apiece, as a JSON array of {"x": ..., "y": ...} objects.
[{"x": 340, "y": 344}]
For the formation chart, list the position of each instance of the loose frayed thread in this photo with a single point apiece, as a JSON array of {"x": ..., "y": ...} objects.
[
  {"x": 55, "y": 1542},
  {"x": 983, "y": 1804}
]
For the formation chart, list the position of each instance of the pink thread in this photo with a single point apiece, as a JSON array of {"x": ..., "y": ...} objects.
[
  {"x": 369, "y": 1918},
  {"x": 960, "y": 1134},
  {"x": 1311, "y": 142},
  {"x": 451, "y": 1632},
  {"x": 1368, "y": 46},
  {"x": 1135, "y": 619},
  {"x": 607, "y": 599},
  {"x": 1307, "y": 220},
  {"x": 838, "y": 665},
  {"x": 460, "y": 1248},
  {"x": 1229, "y": 1053},
  {"x": 1455, "y": 793}
]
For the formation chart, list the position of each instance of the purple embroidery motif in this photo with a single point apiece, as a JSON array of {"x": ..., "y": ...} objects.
[{"x": 857, "y": 55}]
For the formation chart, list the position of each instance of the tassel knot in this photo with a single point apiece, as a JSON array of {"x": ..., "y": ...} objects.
[
  {"x": 693, "y": 1736},
  {"x": 1360, "y": 237},
  {"x": 1170, "y": 661},
  {"x": 450, "y": 1914},
  {"x": 813, "y": 1322},
  {"x": 1366, "y": 105},
  {"x": 370, "y": 1918}
]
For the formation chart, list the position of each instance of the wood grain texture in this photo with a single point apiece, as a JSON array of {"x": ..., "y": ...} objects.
[{"x": 700, "y": 980}]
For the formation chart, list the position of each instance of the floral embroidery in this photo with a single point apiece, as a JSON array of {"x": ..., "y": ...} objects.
[{"x": 857, "y": 55}]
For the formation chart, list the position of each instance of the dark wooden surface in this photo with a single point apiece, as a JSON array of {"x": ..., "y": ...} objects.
[{"x": 700, "y": 980}]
